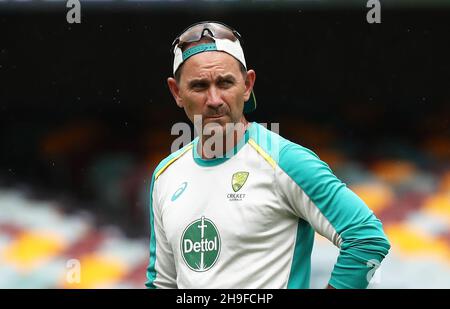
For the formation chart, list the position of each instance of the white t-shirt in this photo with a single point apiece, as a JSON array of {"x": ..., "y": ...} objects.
[{"x": 248, "y": 220}]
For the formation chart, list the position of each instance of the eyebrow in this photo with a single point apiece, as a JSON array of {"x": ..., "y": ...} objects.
[
  {"x": 226, "y": 77},
  {"x": 220, "y": 78}
]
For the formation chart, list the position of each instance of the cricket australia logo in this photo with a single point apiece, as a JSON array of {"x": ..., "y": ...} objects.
[
  {"x": 237, "y": 182},
  {"x": 200, "y": 245}
]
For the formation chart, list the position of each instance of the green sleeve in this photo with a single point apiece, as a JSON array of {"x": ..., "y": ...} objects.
[{"x": 362, "y": 241}]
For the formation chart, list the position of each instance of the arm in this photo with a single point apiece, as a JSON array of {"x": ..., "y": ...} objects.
[
  {"x": 161, "y": 272},
  {"x": 335, "y": 212}
]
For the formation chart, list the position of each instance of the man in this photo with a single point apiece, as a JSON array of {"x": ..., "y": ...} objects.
[{"x": 242, "y": 213}]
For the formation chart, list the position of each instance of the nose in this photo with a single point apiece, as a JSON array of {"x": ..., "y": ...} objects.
[{"x": 213, "y": 99}]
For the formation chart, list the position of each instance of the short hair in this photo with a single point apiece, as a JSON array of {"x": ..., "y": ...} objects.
[{"x": 185, "y": 46}]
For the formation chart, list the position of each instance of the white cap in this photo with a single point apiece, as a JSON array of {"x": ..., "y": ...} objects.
[{"x": 225, "y": 45}]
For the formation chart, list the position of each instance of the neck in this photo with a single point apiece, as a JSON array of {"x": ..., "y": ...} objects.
[{"x": 223, "y": 140}]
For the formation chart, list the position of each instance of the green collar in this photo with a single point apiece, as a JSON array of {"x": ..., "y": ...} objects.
[{"x": 216, "y": 161}]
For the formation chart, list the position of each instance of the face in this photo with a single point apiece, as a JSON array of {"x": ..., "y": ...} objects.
[{"x": 213, "y": 86}]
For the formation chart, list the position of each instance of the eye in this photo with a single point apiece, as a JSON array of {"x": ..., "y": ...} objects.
[
  {"x": 226, "y": 83},
  {"x": 199, "y": 86}
]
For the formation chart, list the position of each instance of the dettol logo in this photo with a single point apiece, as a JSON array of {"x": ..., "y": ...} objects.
[{"x": 200, "y": 245}]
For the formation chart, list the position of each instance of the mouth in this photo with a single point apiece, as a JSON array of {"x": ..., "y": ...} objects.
[{"x": 214, "y": 117}]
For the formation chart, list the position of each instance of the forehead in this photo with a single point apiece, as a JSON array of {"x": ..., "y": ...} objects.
[{"x": 215, "y": 62}]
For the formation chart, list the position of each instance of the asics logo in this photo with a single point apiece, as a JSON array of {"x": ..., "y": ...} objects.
[{"x": 179, "y": 191}]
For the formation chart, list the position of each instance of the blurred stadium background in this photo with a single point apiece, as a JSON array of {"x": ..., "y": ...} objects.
[{"x": 86, "y": 116}]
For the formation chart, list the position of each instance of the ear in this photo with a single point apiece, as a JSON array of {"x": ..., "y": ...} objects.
[
  {"x": 249, "y": 83},
  {"x": 175, "y": 90}
]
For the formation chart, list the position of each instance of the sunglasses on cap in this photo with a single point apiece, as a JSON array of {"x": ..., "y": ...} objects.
[{"x": 198, "y": 30}]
